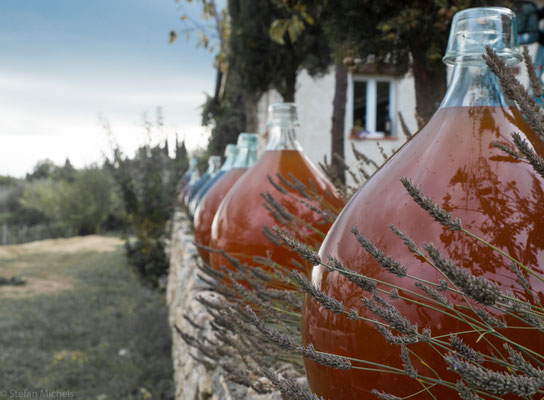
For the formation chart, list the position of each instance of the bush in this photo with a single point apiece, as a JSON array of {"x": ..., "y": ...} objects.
[
  {"x": 77, "y": 207},
  {"x": 147, "y": 184}
]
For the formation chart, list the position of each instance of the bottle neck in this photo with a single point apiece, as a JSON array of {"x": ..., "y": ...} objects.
[
  {"x": 246, "y": 157},
  {"x": 195, "y": 176},
  {"x": 282, "y": 137},
  {"x": 474, "y": 85},
  {"x": 214, "y": 165},
  {"x": 229, "y": 161}
]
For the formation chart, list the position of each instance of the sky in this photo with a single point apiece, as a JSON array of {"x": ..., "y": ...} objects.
[{"x": 68, "y": 65}]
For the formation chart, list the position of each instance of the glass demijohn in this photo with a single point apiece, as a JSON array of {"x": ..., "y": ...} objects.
[
  {"x": 238, "y": 224},
  {"x": 453, "y": 160},
  {"x": 246, "y": 155},
  {"x": 230, "y": 154}
]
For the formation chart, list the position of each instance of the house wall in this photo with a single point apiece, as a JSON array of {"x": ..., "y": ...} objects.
[{"x": 314, "y": 98}]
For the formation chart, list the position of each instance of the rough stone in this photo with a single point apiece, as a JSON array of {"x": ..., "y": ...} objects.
[{"x": 193, "y": 380}]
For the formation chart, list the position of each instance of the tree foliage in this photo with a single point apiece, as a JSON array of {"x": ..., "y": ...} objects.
[
  {"x": 77, "y": 207},
  {"x": 400, "y": 34},
  {"x": 262, "y": 62},
  {"x": 147, "y": 183},
  {"x": 250, "y": 61},
  {"x": 227, "y": 118}
]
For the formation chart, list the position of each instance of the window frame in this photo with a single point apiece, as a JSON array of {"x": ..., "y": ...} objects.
[{"x": 371, "y": 103}]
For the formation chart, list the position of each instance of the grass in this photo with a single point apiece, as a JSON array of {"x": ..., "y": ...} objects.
[{"x": 82, "y": 324}]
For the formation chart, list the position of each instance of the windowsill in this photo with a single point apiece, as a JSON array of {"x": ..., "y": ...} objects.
[{"x": 362, "y": 139}]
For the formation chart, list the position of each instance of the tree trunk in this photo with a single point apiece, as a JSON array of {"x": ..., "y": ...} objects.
[
  {"x": 430, "y": 84},
  {"x": 289, "y": 87},
  {"x": 338, "y": 119},
  {"x": 218, "y": 83},
  {"x": 251, "y": 113}
]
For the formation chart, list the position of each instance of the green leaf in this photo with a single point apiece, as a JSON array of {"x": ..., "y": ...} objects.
[
  {"x": 295, "y": 27},
  {"x": 173, "y": 37},
  {"x": 277, "y": 30}
]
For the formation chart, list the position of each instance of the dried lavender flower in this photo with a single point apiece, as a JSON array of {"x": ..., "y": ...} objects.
[
  {"x": 303, "y": 250},
  {"x": 299, "y": 186},
  {"x": 386, "y": 262},
  {"x": 406, "y": 240},
  {"x": 353, "y": 314},
  {"x": 288, "y": 343},
  {"x": 407, "y": 362},
  {"x": 232, "y": 260},
  {"x": 521, "y": 364},
  {"x": 289, "y": 388},
  {"x": 433, "y": 293},
  {"x": 434, "y": 210},
  {"x": 478, "y": 288},
  {"x": 276, "y": 186},
  {"x": 364, "y": 283},
  {"x": 442, "y": 285},
  {"x": 395, "y": 339},
  {"x": 489, "y": 319},
  {"x": 426, "y": 335},
  {"x": 384, "y": 396},
  {"x": 265, "y": 230},
  {"x": 465, "y": 393},
  {"x": 327, "y": 216},
  {"x": 534, "y": 159},
  {"x": 404, "y": 127},
  {"x": 492, "y": 381},
  {"x": 468, "y": 353},
  {"x": 515, "y": 90},
  {"x": 521, "y": 277},
  {"x": 362, "y": 157},
  {"x": 536, "y": 86},
  {"x": 390, "y": 314},
  {"x": 326, "y": 301},
  {"x": 281, "y": 210},
  {"x": 507, "y": 149},
  {"x": 382, "y": 151}
]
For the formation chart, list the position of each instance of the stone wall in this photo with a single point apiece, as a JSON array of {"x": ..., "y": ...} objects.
[{"x": 193, "y": 380}]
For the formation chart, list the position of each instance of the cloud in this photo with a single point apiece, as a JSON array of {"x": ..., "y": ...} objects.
[
  {"x": 65, "y": 63},
  {"x": 58, "y": 119}
]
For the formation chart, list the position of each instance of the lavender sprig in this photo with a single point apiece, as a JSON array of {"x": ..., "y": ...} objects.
[
  {"x": 492, "y": 381},
  {"x": 386, "y": 262},
  {"x": 477, "y": 288},
  {"x": 326, "y": 301},
  {"x": 434, "y": 210}
]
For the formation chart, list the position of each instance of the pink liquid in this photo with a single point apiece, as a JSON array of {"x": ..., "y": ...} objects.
[
  {"x": 497, "y": 198},
  {"x": 237, "y": 228}
]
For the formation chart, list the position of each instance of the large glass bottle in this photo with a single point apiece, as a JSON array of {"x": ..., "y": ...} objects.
[
  {"x": 230, "y": 154},
  {"x": 239, "y": 221},
  {"x": 245, "y": 158},
  {"x": 214, "y": 163},
  {"x": 453, "y": 160},
  {"x": 190, "y": 177}
]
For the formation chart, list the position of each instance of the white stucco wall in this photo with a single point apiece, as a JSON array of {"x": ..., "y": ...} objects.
[{"x": 314, "y": 98}]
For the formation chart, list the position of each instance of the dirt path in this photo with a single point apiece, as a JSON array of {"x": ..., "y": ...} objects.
[
  {"x": 46, "y": 265},
  {"x": 70, "y": 245}
]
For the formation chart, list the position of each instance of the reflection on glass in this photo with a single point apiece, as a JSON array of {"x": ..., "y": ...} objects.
[{"x": 496, "y": 196}]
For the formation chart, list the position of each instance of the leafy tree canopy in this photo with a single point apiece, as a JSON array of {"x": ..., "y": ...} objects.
[{"x": 401, "y": 34}]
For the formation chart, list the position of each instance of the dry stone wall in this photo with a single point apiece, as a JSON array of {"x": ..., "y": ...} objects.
[{"x": 193, "y": 380}]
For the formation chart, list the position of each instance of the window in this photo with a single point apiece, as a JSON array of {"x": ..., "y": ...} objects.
[{"x": 371, "y": 102}]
